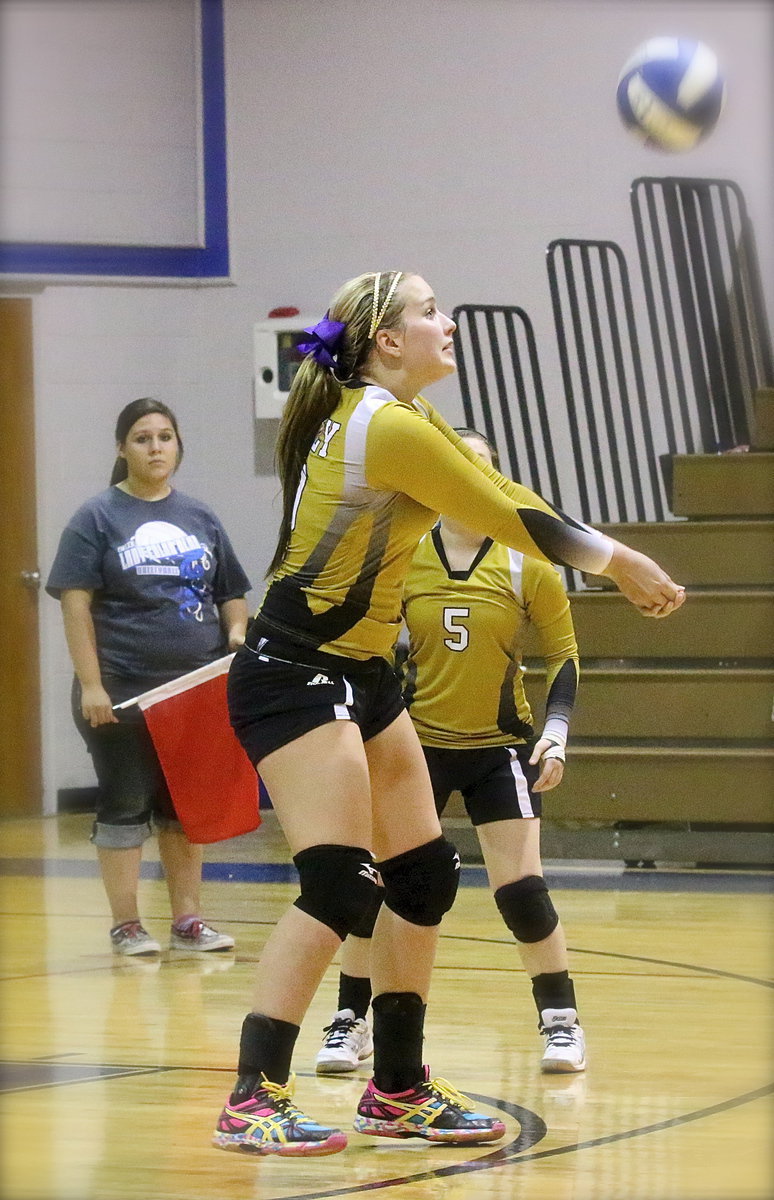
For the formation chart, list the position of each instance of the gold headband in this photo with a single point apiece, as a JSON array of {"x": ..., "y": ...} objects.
[{"x": 377, "y": 314}]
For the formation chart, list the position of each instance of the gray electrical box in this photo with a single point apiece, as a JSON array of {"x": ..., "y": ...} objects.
[{"x": 276, "y": 359}]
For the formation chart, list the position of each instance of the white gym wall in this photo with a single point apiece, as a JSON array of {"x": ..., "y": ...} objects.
[{"x": 451, "y": 137}]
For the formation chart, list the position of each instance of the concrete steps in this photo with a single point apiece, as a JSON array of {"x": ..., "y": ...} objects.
[
  {"x": 662, "y": 782},
  {"x": 671, "y": 749},
  {"x": 723, "y": 485},
  {"x": 725, "y": 782},
  {"x": 726, "y": 553},
  {"x": 714, "y": 623},
  {"x": 641, "y": 700}
]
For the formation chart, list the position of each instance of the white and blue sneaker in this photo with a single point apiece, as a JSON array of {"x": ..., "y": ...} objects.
[
  {"x": 565, "y": 1044},
  {"x": 346, "y": 1044}
]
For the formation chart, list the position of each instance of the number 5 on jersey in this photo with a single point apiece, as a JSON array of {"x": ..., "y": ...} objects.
[{"x": 452, "y": 618}]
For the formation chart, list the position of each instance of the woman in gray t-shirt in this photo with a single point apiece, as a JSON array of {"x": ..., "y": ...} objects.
[{"x": 150, "y": 589}]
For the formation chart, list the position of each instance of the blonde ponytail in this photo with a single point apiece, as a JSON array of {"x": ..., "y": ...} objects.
[
  {"x": 316, "y": 389},
  {"x": 313, "y": 396}
]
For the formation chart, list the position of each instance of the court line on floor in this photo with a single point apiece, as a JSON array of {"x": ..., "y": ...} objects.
[
  {"x": 601, "y": 878},
  {"x": 532, "y": 1129},
  {"x": 170, "y": 959},
  {"x": 658, "y": 962},
  {"x": 511, "y": 1156}
]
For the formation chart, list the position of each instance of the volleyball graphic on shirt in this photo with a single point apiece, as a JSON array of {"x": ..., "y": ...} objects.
[
  {"x": 158, "y": 548},
  {"x": 158, "y": 544}
]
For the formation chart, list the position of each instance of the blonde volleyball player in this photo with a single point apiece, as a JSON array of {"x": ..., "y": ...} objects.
[
  {"x": 366, "y": 466},
  {"x": 468, "y": 603}
]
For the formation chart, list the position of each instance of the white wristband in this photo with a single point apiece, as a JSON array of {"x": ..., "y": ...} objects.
[{"x": 555, "y": 730}]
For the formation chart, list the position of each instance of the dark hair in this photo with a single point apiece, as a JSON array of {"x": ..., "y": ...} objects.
[
  {"x": 129, "y": 416},
  {"x": 316, "y": 390},
  {"x": 463, "y": 431}
]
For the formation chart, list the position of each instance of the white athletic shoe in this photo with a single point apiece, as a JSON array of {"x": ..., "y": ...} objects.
[
  {"x": 565, "y": 1045},
  {"x": 347, "y": 1043}
]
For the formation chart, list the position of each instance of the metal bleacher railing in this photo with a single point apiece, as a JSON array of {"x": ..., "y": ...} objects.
[
  {"x": 705, "y": 307},
  {"x": 609, "y": 469},
  {"x": 596, "y": 331},
  {"x": 502, "y": 390},
  {"x": 503, "y": 394},
  {"x": 606, "y": 448},
  {"x": 654, "y": 376}
]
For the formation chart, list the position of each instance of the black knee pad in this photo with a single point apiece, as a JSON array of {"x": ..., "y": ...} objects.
[
  {"x": 337, "y": 885},
  {"x": 421, "y": 884},
  {"x": 526, "y": 908},
  {"x": 364, "y": 926}
]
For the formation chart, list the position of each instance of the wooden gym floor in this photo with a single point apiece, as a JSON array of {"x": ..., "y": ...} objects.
[{"x": 115, "y": 1070}]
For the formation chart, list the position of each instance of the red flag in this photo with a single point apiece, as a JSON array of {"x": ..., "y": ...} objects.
[{"x": 213, "y": 784}]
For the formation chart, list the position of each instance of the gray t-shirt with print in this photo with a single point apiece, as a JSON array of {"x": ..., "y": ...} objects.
[{"x": 158, "y": 570}]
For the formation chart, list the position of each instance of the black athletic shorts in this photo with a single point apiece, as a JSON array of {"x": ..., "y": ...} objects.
[
  {"x": 496, "y": 781},
  {"x": 278, "y": 691}
]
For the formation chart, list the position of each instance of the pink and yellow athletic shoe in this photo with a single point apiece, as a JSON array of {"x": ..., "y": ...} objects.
[
  {"x": 433, "y": 1110},
  {"x": 270, "y": 1123}
]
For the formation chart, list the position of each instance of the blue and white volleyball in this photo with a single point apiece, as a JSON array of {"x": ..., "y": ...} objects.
[{"x": 671, "y": 93}]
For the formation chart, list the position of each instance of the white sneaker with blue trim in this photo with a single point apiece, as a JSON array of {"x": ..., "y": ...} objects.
[
  {"x": 346, "y": 1044},
  {"x": 565, "y": 1043}
]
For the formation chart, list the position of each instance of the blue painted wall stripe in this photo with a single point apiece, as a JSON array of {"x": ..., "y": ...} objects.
[{"x": 171, "y": 262}]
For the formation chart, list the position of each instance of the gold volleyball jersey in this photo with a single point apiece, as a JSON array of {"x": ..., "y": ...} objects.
[
  {"x": 376, "y": 478},
  {"x": 463, "y": 675}
]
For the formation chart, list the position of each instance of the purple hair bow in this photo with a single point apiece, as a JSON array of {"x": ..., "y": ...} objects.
[{"x": 326, "y": 341}]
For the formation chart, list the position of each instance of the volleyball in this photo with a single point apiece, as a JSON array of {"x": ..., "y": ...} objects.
[{"x": 671, "y": 93}]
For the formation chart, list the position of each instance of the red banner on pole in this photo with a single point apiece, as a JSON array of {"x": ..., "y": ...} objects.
[{"x": 213, "y": 785}]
